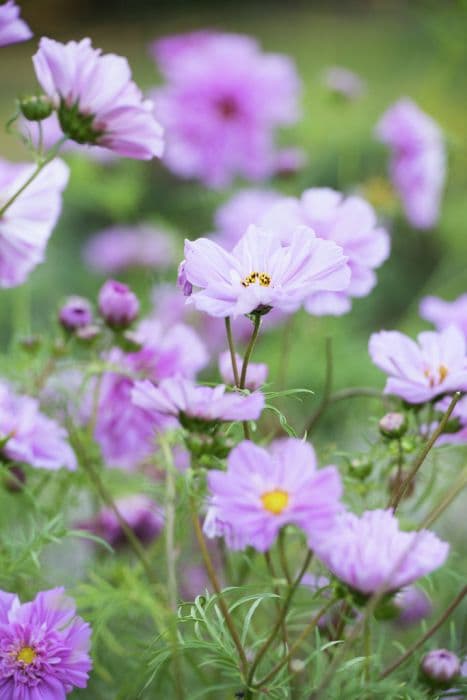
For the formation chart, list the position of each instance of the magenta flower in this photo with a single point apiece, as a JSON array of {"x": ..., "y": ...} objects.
[
  {"x": 344, "y": 82},
  {"x": 75, "y": 313},
  {"x": 44, "y": 647},
  {"x": 12, "y": 28},
  {"x": 370, "y": 553},
  {"x": 118, "y": 304},
  {"x": 263, "y": 491},
  {"x": 97, "y": 101},
  {"x": 256, "y": 375},
  {"x": 350, "y": 223},
  {"x": 221, "y": 105},
  {"x": 445, "y": 313},
  {"x": 26, "y": 226},
  {"x": 120, "y": 248},
  {"x": 418, "y": 161},
  {"x": 245, "y": 207},
  {"x": 141, "y": 513},
  {"x": 420, "y": 371},
  {"x": 261, "y": 272},
  {"x": 182, "y": 399},
  {"x": 31, "y": 437}
]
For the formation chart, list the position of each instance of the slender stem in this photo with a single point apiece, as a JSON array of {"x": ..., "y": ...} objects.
[
  {"x": 272, "y": 571},
  {"x": 283, "y": 557},
  {"x": 429, "y": 633},
  {"x": 458, "y": 486},
  {"x": 367, "y": 645},
  {"x": 356, "y": 393},
  {"x": 325, "y": 400},
  {"x": 399, "y": 495},
  {"x": 233, "y": 356},
  {"x": 249, "y": 350}
]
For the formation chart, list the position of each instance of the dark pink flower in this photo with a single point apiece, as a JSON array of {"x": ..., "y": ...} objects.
[
  {"x": 118, "y": 305},
  {"x": 75, "y": 313}
]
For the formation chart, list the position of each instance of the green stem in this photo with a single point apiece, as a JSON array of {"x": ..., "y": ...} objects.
[
  {"x": 233, "y": 356},
  {"x": 283, "y": 557},
  {"x": 246, "y": 360},
  {"x": 367, "y": 644},
  {"x": 324, "y": 403}
]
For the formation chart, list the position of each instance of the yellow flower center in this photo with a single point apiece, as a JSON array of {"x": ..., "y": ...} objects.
[
  {"x": 275, "y": 501},
  {"x": 263, "y": 278},
  {"x": 26, "y": 655},
  {"x": 442, "y": 374}
]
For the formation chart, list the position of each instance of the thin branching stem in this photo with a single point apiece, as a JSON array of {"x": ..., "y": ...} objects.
[
  {"x": 233, "y": 355},
  {"x": 246, "y": 361},
  {"x": 328, "y": 379}
]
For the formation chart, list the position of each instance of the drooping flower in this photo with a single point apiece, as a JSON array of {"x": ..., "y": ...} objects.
[
  {"x": 12, "y": 28},
  {"x": 261, "y": 272},
  {"x": 97, "y": 101},
  {"x": 31, "y": 437},
  {"x": 119, "y": 248},
  {"x": 118, "y": 304},
  {"x": 420, "y": 371},
  {"x": 26, "y": 225},
  {"x": 344, "y": 82},
  {"x": 257, "y": 372},
  {"x": 370, "y": 553},
  {"x": 75, "y": 313},
  {"x": 445, "y": 313},
  {"x": 44, "y": 647},
  {"x": 244, "y": 208},
  {"x": 222, "y": 102},
  {"x": 262, "y": 491},
  {"x": 351, "y": 223},
  {"x": 418, "y": 160},
  {"x": 140, "y": 512}
]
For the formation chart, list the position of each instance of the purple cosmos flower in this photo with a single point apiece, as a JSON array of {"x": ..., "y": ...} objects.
[
  {"x": 370, "y": 553},
  {"x": 118, "y": 305},
  {"x": 445, "y": 313},
  {"x": 119, "y": 248},
  {"x": 75, "y": 313},
  {"x": 413, "y": 604},
  {"x": 96, "y": 99},
  {"x": 141, "y": 513},
  {"x": 26, "y": 225},
  {"x": 30, "y": 436},
  {"x": 256, "y": 375},
  {"x": 420, "y": 371},
  {"x": 418, "y": 161},
  {"x": 221, "y": 123},
  {"x": 262, "y": 491},
  {"x": 12, "y": 28},
  {"x": 261, "y": 272},
  {"x": 245, "y": 207},
  {"x": 44, "y": 647},
  {"x": 182, "y": 399},
  {"x": 344, "y": 82},
  {"x": 350, "y": 223},
  {"x": 441, "y": 667}
]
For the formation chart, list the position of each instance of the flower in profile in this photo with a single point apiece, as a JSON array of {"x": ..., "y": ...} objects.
[
  {"x": 262, "y": 491},
  {"x": 344, "y": 82},
  {"x": 418, "y": 160},
  {"x": 445, "y": 313},
  {"x": 261, "y": 272},
  {"x": 27, "y": 223},
  {"x": 349, "y": 222},
  {"x": 29, "y": 436},
  {"x": 44, "y": 647},
  {"x": 12, "y": 28},
  {"x": 221, "y": 105},
  {"x": 119, "y": 248},
  {"x": 256, "y": 375},
  {"x": 118, "y": 304},
  {"x": 245, "y": 207},
  {"x": 96, "y": 99},
  {"x": 75, "y": 313},
  {"x": 420, "y": 371},
  {"x": 140, "y": 512},
  {"x": 370, "y": 553}
]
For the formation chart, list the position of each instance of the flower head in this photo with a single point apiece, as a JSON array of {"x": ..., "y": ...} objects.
[
  {"x": 118, "y": 305},
  {"x": 97, "y": 101},
  {"x": 75, "y": 313},
  {"x": 256, "y": 375},
  {"x": 441, "y": 667},
  {"x": 140, "y": 512},
  {"x": 44, "y": 647},
  {"x": 12, "y": 28},
  {"x": 420, "y": 371},
  {"x": 445, "y": 313}
]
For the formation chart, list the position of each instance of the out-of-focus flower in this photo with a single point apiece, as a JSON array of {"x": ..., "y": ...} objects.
[
  {"x": 351, "y": 223},
  {"x": 118, "y": 304},
  {"x": 75, "y": 313},
  {"x": 12, "y": 28},
  {"x": 97, "y": 101},
  {"x": 221, "y": 105},
  {"x": 441, "y": 667},
  {"x": 393, "y": 425},
  {"x": 289, "y": 161},
  {"x": 256, "y": 375},
  {"x": 140, "y": 512},
  {"x": 30, "y": 436},
  {"x": 263, "y": 491},
  {"x": 261, "y": 272},
  {"x": 413, "y": 605},
  {"x": 420, "y": 371},
  {"x": 182, "y": 399},
  {"x": 26, "y": 225},
  {"x": 418, "y": 161},
  {"x": 344, "y": 82},
  {"x": 457, "y": 432},
  {"x": 450, "y": 694},
  {"x": 119, "y": 248},
  {"x": 44, "y": 647},
  {"x": 445, "y": 313},
  {"x": 370, "y": 553},
  {"x": 244, "y": 208}
]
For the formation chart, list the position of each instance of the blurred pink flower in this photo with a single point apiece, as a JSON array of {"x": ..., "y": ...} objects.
[
  {"x": 244, "y": 208},
  {"x": 344, "y": 82},
  {"x": 445, "y": 313},
  {"x": 256, "y": 375},
  {"x": 12, "y": 28},
  {"x": 140, "y": 512},
  {"x": 459, "y": 414},
  {"x": 118, "y": 304}
]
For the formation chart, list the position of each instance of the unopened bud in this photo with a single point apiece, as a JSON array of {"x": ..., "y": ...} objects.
[
  {"x": 393, "y": 425},
  {"x": 118, "y": 305},
  {"x": 35, "y": 108},
  {"x": 360, "y": 467},
  {"x": 440, "y": 667},
  {"x": 75, "y": 313}
]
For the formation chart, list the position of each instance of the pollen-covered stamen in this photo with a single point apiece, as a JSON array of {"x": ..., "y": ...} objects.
[
  {"x": 27, "y": 655},
  {"x": 275, "y": 501},
  {"x": 439, "y": 379},
  {"x": 263, "y": 278}
]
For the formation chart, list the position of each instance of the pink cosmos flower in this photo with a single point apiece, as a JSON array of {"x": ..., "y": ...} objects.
[
  {"x": 413, "y": 604},
  {"x": 96, "y": 99},
  {"x": 12, "y": 28},
  {"x": 420, "y": 371},
  {"x": 256, "y": 375},
  {"x": 118, "y": 248},
  {"x": 261, "y": 272},
  {"x": 351, "y": 223},
  {"x": 445, "y": 313},
  {"x": 44, "y": 647},
  {"x": 31, "y": 437},
  {"x": 418, "y": 161},
  {"x": 262, "y": 491},
  {"x": 370, "y": 553},
  {"x": 26, "y": 226},
  {"x": 344, "y": 82},
  {"x": 118, "y": 304},
  {"x": 245, "y": 207},
  {"x": 141, "y": 513},
  {"x": 222, "y": 102}
]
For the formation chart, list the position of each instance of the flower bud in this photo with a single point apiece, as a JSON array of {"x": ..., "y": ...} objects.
[
  {"x": 393, "y": 425},
  {"x": 413, "y": 605},
  {"x": 360, "y": 467},
  {"x": 118, "y": 305},
  {"x": 75, "y": 313},
  {"x": 35, "y": 108},
  {"x": 15, "y": 479},
  {"x": 440, "y": 667}
]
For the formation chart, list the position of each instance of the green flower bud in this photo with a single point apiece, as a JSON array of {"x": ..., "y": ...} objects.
[
  {"x": 35, "y": 108},
  {"x": 360, "y": 467},
  {"x": 393, "y": 425}
]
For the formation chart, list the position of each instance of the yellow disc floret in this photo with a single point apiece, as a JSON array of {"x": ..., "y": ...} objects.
[
  {"x": 275, "y": 501},
  {"x": 263, "y": 278},
  {"x": 26, "y": 655}
]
